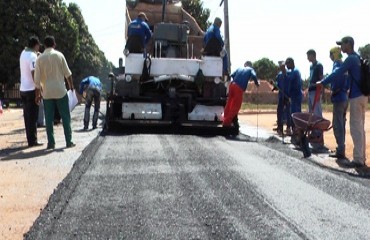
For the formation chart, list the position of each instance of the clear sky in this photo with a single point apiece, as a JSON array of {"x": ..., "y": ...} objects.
[{"x": 259, "y": 28}]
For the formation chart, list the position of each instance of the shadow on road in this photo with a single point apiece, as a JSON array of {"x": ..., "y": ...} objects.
[{"x": 15, "y": 131}]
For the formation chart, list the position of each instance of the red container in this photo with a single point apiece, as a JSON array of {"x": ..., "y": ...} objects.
[{"x": 310, "y": 121}]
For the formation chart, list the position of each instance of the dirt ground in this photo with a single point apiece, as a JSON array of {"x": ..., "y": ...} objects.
[
  {"x": 267, "y": 120},
  {"x": 29, "y": 175}
]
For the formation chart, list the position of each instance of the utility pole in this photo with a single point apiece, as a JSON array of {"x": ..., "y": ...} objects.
[
  {"x": 163, "y": 9},
  {"x": 226, "y": 26}
]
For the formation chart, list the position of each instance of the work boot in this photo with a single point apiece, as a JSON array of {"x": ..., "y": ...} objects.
[
  {"x": 337, "y": 155},
  {"x": 50, "y": 146},
  {"x": 279, "y": 131},
  {"x": 350, "y": 164},
  {"x": 70, "y": 145},
  {"x": 288, "y": 131}
]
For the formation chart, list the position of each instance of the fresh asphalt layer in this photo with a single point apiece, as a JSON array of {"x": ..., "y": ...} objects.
[{"x": 149, "y": 186}]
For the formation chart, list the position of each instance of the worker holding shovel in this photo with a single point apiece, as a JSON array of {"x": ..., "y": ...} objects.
[{"x": 283, "y": 109}]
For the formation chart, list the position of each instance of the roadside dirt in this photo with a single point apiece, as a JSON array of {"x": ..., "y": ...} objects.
[
  {"x": 18, "y": 178},
  {"x": 28, "y": 176}
]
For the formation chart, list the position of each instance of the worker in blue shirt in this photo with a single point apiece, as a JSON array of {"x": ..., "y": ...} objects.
[
  {"x": 213, "y": 32},
  {"x": 316, "y": 74},
  {"x": 214, "y": 44},
  {"x": 283, "y": 108},
  {"x": 138, "y": 35},
  {"x": 339, "y": 87},
  {"x": 92, "y": 87},
  {"x": 357, "y": 102},
  {"x": 294, "y": 89},
  {"x": 238, "y": 85}
]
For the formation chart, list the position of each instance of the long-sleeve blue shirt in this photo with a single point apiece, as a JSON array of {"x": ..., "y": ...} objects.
[
  {"x": 140, "y": 28},
  {"x": 283, "y": 85},
  {"x": 295, "y": 84},
  {"x": 90, "y": 82},
  {"x": 242, "y": 76},
  {"x": 338, "y": 85},
  {"x": 352, "y": 64},
  {"x": 213, "y": 31}
]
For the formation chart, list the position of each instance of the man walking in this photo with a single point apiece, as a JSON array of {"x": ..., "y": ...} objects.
[
  {"x": 316, "y": 74},
  {"x": 51, "y": 69},
  {"x": 27, "y": 90},
  {"x": 92, "y": 87},
  {"x": 339, "y": 99},
  {"x": 237, "y": 87},
  {"x": 357, "y": 102}
]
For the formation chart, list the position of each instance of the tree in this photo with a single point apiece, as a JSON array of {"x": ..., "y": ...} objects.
[
  {"x": 89, "y": 58},
  {"x": 23, "y": 18},
  {"x": 195, "y": 9},
  {"x": 14, "y": 15},
  {"x": 265, "y": 69},
  {"x": 35, "y": 17},
  {"x": 365, "y": 51}
]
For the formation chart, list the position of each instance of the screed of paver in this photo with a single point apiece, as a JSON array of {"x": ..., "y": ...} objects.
[{"x": 28, "y": 176}]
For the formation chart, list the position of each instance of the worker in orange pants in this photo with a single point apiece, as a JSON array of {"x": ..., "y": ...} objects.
[{"x": 238, "y": 85}]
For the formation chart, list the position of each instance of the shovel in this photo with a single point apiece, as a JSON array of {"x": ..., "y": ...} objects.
[{"x": 304, "y": 139}]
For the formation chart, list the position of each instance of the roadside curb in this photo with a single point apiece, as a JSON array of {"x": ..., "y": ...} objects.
[{"x": 321, "y": 159}]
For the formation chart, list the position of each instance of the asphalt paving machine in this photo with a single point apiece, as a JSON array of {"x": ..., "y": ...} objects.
[{"x": 173, "y": 85}]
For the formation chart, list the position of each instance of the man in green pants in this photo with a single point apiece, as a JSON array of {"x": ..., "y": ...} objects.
[{"x": 50, "y": 72}]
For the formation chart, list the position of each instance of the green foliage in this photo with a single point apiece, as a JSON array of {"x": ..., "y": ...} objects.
[
  {"x": 365, "y": 51},
  {"x": 265, "y": 69},
  {"x": 23, "y": 18},
  {"x": 11, "y": 33},
  {"x": 89, "y": 59},
  {"x": 195, "y": 9}
]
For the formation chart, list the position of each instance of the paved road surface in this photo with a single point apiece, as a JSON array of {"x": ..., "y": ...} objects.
[{"x": 191, "y": 187}]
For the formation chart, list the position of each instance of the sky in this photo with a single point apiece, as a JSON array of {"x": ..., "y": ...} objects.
[{"x": 258, "y": 29}]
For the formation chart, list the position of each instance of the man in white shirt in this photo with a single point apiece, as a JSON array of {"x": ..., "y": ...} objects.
[{"x": 27, "y": 63}]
